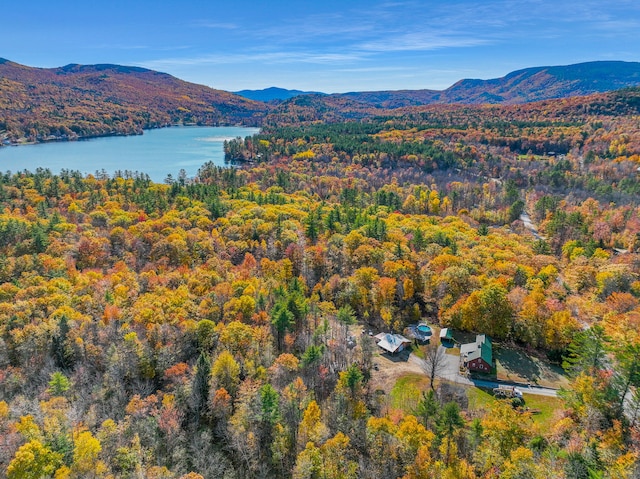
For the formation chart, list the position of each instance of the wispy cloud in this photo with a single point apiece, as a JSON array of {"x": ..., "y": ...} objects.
[
  {"x": 376, "y": 37},
  {"x": 422, "y": 42},
  {"x": 215, "y": 25},
  {"x": 267, "y": 57},
  {"x": 372, "y": 69},
  {"x": 326, "y": 28},
  {"x": 119, "y": 46}
]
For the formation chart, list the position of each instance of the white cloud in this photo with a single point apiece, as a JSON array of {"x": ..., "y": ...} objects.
[
  {"x": 422, "y": 42},
  {"x": 257, "y": 57},
  {"x": 373, "y": 69},
  {"x": 119, "y": 46},
  {"x": 215, "y": 25}
]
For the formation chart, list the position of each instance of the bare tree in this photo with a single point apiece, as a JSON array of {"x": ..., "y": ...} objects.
[{"x": 434, "y": 359}]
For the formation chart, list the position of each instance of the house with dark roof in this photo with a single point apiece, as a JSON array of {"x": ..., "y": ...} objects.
[{"x": 478, "y": 356}]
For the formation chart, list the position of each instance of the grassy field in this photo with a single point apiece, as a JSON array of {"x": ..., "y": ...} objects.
[
  {"x": 479, "y": 399},
  {"x": 408, "y": 389},
  {"x": 533, "y": 157},
  {"x": 547, "y": 406}
]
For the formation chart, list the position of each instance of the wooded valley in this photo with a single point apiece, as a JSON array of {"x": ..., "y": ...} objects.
[{"x": 199, "y": 328}]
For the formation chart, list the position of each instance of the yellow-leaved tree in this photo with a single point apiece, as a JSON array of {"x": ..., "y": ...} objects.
[{"x": 33, "y": 460}]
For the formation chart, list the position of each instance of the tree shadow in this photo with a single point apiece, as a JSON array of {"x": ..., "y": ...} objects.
[{"x": 518, "y": 364}]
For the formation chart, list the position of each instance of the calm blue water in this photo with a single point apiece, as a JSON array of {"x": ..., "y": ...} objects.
[{"x": 156, "y": 153}]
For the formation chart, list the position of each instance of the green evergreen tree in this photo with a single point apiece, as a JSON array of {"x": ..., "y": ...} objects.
[
  {"x": 587, "y": 352},
  {"x": 200, "y": 386}
]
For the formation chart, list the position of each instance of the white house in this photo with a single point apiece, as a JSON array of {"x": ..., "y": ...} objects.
[{"x": 392, "y": 343}]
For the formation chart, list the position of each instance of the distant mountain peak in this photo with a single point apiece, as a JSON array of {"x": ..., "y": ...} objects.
[
  {"x": 520, "y": 86},
  {"x": 101, "y": 67},
  {"x": 273, "y": 93}
]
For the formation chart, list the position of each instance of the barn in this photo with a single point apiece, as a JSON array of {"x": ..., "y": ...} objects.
[{"x": 478, "y": 356}]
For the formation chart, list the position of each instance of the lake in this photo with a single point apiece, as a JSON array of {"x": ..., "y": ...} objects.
[{"x": 157, "y": 153}]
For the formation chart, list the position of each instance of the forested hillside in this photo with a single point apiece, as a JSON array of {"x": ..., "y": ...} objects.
[
  {"x": 76, "y": 101},
  {"x": 522, "y": 86},
  {"x": 79, "y": 101},
  {"x": 336, "y": 108}
]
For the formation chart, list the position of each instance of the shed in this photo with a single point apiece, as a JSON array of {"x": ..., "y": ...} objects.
[
  {"x": 446, "y": 334},
  {"x": 393, "y": 343},
  {"x": 478, "y": 356}
]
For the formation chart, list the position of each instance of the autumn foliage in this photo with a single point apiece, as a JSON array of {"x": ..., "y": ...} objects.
[{"x": 199, "y": 328}]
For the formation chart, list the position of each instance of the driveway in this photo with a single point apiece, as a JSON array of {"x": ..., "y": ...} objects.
[{"x": 450, "y": 371}]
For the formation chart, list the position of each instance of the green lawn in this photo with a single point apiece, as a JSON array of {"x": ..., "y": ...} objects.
[
  {"x": 547, "y": 407},
  {"x": 479, "y": 398},
  {"x": 407, "y": 391},
  {"x": 534, "y": 157}
]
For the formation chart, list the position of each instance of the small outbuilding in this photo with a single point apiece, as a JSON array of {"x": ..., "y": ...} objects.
[
  {"x": 446, "y": 334},
  {"x": 392, "y": 343},
  {"x": 478, "y": 356}
]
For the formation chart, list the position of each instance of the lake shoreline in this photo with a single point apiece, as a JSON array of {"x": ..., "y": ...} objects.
[
  {"x": 66, "y": 139},
  {"x": 161, "y": 153}
]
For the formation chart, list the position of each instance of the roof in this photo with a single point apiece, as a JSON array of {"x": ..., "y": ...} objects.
[
  {"x": 380, "y": 336},
  {"x": 481, "y": 348},
  {"x": 445, "y": 333},
  {"x": 393, "y": 342}
]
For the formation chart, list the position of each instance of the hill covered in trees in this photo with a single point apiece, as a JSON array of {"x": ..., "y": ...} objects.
[
  {"x": 522, "y": 86},
  {"x": 156, "y": 330},
  {"x": 77, "y": 101},
  {"x": 309, "y": 109},
  {"x": 273, "y": 93}
]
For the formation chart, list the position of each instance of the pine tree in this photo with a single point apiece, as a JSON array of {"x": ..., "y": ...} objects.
[
  {"x": 587, "y": 352},
  {"x": 200, "y": 386}
]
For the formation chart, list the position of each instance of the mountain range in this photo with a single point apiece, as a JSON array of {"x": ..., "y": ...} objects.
[
  {"x": 274, "y": 94},
  {"x": 74, "y": 101},
  {"x": 521, "y": 86}
]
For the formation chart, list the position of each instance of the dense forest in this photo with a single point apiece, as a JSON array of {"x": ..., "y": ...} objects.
[{"x": 201, "y": 328}]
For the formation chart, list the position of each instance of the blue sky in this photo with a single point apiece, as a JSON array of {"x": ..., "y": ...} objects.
[{"x": 330, "y": 46}]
